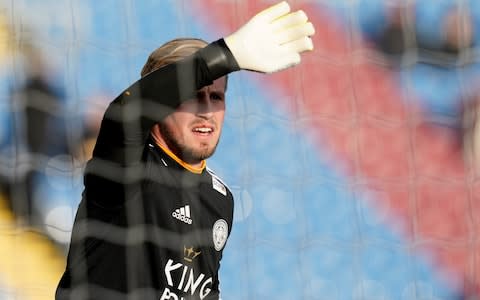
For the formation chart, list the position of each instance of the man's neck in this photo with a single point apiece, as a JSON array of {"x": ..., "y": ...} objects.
[{"x": 195, "y": 167}]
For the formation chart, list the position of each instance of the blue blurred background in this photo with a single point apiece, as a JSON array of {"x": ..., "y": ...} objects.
[{"x": 348, "y": 172}]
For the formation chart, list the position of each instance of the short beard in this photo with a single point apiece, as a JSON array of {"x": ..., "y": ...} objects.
[{"x": 182, "y": 151}]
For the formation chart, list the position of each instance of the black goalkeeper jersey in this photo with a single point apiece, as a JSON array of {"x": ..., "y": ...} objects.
[{"x": 149, "y": 227}]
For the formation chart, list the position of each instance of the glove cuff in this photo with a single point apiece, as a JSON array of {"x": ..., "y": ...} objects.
[{"x": 219, "y": 59}]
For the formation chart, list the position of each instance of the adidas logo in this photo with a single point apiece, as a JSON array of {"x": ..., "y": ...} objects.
[{"x": 183, "y": 214}]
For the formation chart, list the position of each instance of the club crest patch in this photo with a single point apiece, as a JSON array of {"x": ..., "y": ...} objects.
[{"x": 220, "y": 234}]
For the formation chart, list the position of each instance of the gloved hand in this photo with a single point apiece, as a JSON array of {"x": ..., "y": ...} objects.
[{"x": 272, "y": 40}]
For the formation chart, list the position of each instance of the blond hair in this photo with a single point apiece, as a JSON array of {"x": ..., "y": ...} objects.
[
  {"x": 173, "y": 51},
  {"x": 170, "y": 52}
]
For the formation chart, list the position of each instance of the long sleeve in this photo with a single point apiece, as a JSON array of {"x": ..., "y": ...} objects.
[{"x": 116, "y": 161}]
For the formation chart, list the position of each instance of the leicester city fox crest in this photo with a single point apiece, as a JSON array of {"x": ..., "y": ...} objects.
[{"x": 220, "y": 234}]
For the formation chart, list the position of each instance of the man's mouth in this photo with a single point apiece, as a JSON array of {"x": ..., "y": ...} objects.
[{"x": 203, "y": 130}]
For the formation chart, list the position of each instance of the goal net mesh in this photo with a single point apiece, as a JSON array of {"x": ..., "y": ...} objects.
[{"x": 348, "y": 171}]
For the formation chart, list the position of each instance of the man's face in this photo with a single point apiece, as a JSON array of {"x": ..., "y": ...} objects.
[{"x": 193, "y": 130}]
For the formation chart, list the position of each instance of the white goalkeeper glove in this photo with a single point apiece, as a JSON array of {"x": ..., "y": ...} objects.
[{"x": 272, "y": 40}]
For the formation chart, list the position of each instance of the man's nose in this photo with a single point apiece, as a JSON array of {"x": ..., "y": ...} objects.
[{"x": 205, "y": 107}]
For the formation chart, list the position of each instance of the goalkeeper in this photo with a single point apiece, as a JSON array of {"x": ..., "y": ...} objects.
[{"x": 153, "y": 220}]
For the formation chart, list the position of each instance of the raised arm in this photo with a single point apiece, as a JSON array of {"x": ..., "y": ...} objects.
[{"x": 271, "y": 41}]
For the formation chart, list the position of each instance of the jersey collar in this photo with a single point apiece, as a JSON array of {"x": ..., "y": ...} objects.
[{"x": 187, "y": 166}]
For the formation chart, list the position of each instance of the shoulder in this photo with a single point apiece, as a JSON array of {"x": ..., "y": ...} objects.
[{"x": 217, "y": 183}]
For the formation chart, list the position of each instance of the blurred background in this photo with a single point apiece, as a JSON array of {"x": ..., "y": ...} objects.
[{"x": 352, "y": 173}]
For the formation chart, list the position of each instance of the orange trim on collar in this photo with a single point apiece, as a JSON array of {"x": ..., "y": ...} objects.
[{"x": 189, "y": 167}]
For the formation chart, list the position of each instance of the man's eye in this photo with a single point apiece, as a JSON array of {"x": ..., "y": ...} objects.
[{"x": 216, "y": 96}]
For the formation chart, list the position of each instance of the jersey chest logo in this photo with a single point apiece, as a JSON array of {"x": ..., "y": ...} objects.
[
  {"x": 220, "y": 234},
  {"x": 183, "y": 214}
]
